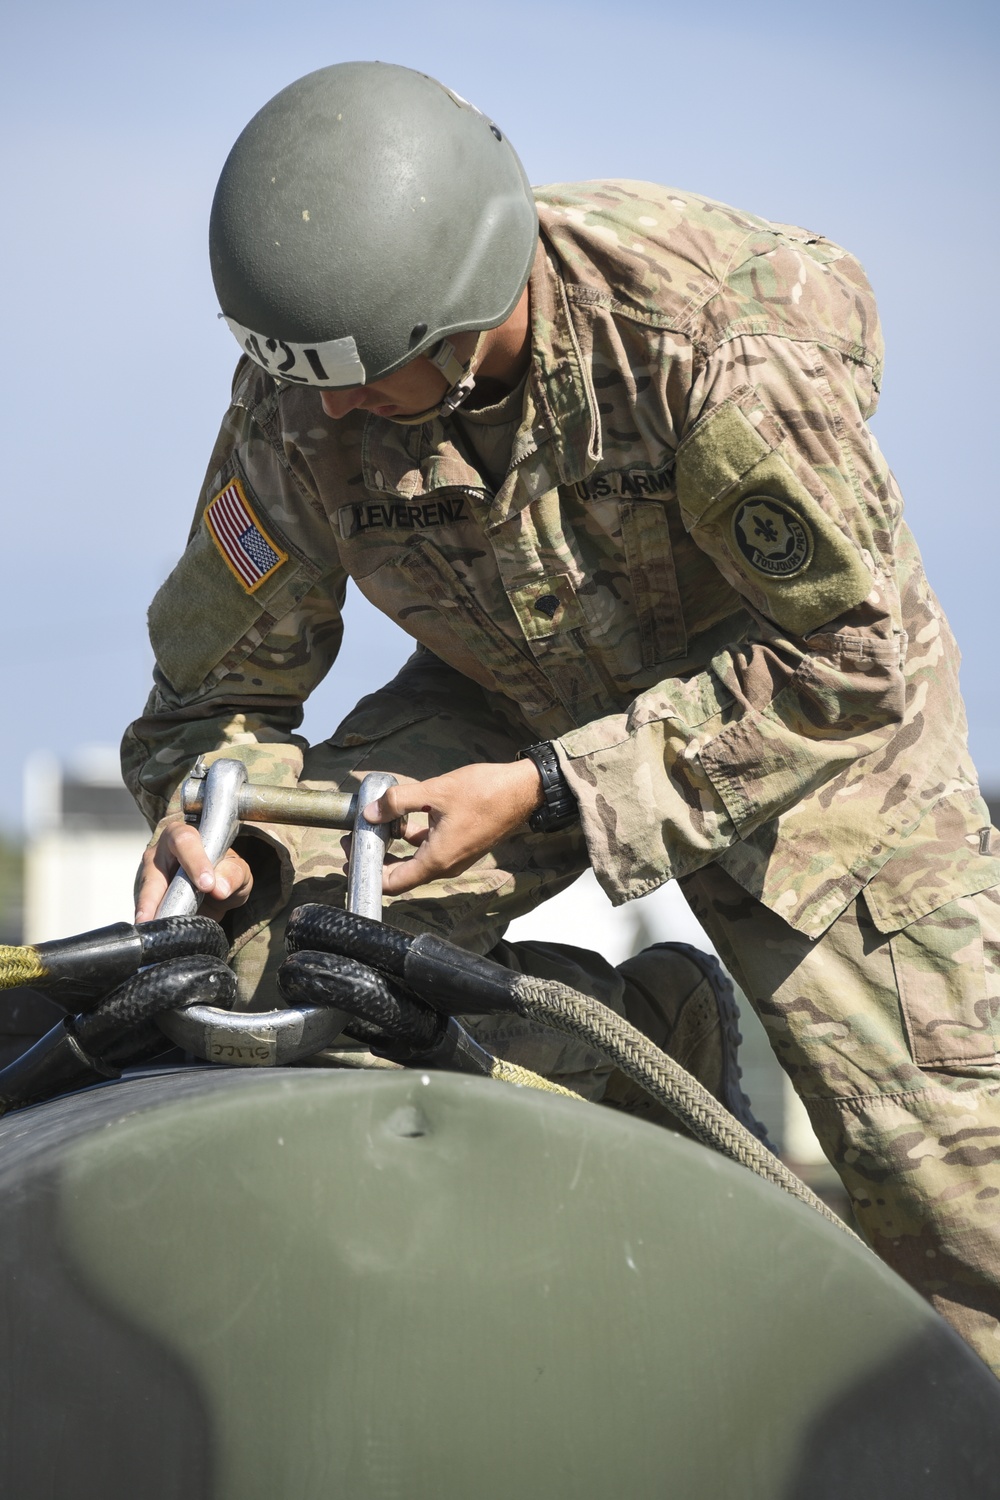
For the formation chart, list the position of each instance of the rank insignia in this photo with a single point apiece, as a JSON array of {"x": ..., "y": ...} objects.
[
  {"x": 772, "y": 538},
  {"x": 246, "y": 547}
]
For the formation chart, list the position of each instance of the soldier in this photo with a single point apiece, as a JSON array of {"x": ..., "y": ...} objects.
[{"x": 602, "y": 451}]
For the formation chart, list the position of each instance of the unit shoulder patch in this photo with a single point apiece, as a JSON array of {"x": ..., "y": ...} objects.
[
  {"x": 773, "y": 539},
  {"x": 249, "y": 553}
]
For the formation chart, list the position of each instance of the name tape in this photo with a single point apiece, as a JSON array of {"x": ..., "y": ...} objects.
[{"x": 399, "y": 516}]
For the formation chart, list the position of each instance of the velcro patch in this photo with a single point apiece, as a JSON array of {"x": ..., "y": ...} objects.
[
  {"x": 249, "y": 552},
  {"x": 740, "y": 484}
]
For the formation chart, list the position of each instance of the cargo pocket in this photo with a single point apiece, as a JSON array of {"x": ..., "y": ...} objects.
[
  {"x": 947, "y": 991},
  {"x": 650, "y": 560}
]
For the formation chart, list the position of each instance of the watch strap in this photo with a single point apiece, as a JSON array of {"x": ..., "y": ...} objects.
[{"x": 558, "y": 807}]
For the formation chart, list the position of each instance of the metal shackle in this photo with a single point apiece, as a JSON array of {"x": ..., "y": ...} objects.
[{"x": 223, "y": 796}]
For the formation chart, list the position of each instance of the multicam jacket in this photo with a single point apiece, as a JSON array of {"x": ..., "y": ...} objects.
[{"x": 695, "y": 577}]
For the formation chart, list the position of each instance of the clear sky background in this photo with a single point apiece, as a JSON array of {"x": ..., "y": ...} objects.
[{"x": 876, "y": 124}]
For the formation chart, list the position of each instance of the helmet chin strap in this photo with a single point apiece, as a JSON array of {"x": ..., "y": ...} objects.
[{"x": 459, "y": 375}]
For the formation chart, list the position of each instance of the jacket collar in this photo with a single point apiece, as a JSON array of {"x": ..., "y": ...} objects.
[
  {"x": 411, "y": 461},
  {"x": 561, "y": 384}
]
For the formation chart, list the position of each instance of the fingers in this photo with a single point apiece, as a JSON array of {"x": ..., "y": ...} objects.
[
  {"x": 409, "y": 804},
  {"x": 417, "y": 836},
  {"x": 227, "y": 885},
  {"x": 441, "y": 850},
  {"x": 471, "y": 810},
  {"x": 150, "y": 888},
  {"x": 412, "y": 829},
  {"x": 186, "y": 848},
  {"x": 414, "y": 796},
  {"x": 400, "y": 875},
  {"x": 155, "y": 873},
  {"x": 233, "y": 884}
]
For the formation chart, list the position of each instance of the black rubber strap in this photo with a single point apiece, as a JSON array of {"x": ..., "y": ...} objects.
[{"x": 559, "y": 808}]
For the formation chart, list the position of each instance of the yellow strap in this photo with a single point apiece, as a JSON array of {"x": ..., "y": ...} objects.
[
  {"x": 447, "y": 361},
  {"x": 19, "y": 966},
  {"x": 508, "y": 1072}
]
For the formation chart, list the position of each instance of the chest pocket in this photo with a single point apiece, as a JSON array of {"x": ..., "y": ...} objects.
[
  {"x": 650, "y": 562},
  {"x": 461, "y": 632}
]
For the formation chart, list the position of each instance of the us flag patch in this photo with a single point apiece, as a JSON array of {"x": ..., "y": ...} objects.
[{"x": 239, "y": 536}]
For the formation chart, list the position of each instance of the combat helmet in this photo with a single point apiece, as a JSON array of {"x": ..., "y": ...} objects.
[{"x": 364, "y": 215}]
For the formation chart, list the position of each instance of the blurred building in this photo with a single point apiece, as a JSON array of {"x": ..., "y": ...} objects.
[{"x": 84, "y": 837}]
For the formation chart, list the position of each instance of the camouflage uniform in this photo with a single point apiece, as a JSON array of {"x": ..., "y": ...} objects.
[{"x": 695, "y": 578}]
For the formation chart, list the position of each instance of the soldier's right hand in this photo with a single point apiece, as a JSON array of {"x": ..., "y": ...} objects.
[{"x": 227, "y": 885}]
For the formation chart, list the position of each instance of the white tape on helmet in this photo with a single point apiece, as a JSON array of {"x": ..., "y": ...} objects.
[{"x": 327, "y": 365}]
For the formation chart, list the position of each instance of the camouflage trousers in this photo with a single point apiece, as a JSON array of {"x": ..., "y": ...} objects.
[
  {"x": 851, "y": 1018},
  {"x": 849, "y": 1015}
]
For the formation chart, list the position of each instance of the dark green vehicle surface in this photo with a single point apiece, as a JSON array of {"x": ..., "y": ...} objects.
[{"x": 405, "y": 1286}]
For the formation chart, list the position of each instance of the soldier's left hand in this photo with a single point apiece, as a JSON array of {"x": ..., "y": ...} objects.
[{"x": 469, "y": 812}]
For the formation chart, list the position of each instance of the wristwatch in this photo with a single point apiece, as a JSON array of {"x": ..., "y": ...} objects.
[{"x": 558, "y": 809}]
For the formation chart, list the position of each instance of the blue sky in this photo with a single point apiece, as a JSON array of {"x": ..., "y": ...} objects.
[{"x": 876, "y": 124}]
